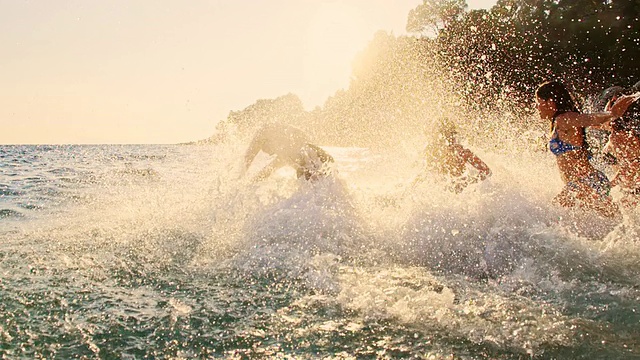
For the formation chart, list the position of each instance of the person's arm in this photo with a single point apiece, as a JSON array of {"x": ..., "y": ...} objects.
[
  {"x": 605, "y": 126},
  {"x": 253, "y": 150},
  {"x": 596, "y": 119},
  {"x": 625, "y": 175},
  {"x": 264, "y": 173},
  {"x": 471, "y": 158}
]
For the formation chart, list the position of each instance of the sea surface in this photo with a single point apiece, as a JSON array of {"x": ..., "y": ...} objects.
[{"x": 170, "y": 252}]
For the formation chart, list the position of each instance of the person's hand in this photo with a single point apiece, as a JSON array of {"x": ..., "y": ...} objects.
[
  {"x": 458, "y": 187},
  {"x": 622, "y": 104},
  {"x": 468, "y": 180}
]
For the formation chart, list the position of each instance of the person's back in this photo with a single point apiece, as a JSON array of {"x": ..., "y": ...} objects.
[
  {"x": 291, "y": 147},
  {"x": 284, "y": 141},
  {"x": 624, "y": 145},
  {"x": 447, "y": 157}
]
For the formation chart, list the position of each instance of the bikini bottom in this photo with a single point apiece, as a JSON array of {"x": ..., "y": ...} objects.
[{"x": 597, "y": 180}]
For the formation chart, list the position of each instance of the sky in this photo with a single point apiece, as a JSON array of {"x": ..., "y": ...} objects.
[{"x": 166, "y": 71}]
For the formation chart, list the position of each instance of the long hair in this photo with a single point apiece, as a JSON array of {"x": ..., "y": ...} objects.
[
  {"x": 556, "y": 91},
  {"x": 607, "y": 95}
]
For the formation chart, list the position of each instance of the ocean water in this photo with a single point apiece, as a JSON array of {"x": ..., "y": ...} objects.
[{"x": 163, "y": 251}]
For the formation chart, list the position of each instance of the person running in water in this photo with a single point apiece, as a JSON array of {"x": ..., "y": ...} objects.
[
  {"x": 624, "y": 146},
  {"x": 446, "y": 156},
  {"x": 291, "y": 147},
  {"x": 585, "y": 186}
]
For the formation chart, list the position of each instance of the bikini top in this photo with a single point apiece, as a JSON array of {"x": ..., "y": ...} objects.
[{"x": 557, "y": 146}]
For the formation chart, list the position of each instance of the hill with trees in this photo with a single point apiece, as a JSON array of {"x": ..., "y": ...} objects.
[{"x": 476, "y": 65}]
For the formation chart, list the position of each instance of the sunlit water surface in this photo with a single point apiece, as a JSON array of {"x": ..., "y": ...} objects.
[{"x": 164, "y": 252}]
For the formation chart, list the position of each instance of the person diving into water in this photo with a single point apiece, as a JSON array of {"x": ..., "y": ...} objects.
[
  {"x": 446, "y": 156},
  {"x": 291, "y": 147}
]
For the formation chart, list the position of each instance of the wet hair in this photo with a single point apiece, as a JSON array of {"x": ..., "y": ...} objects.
[
  {"x": 630, "y": 120},
  {"x": 447, "y": 129},
  {"x": 607, "y": 95},
  {"x": 556, "y": 91}
]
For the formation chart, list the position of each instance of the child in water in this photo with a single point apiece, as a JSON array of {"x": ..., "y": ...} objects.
[{"x": 445, "y": 156}]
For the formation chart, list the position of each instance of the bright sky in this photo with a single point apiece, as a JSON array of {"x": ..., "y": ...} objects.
[{"x": 166, "y": 71}]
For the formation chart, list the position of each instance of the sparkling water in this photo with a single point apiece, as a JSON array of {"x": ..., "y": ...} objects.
[{"x": 164, "y": 251}]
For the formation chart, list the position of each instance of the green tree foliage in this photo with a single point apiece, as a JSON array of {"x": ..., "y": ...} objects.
[
  {"x": 466, "y": 64},
  {"x": 519, "y": 43},
  {"x": 395, "y": 86},
  {"x": 287, "y": 109}
]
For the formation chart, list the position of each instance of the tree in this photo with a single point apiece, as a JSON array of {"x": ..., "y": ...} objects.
[
  {"x": 287, "y": 108},
  {"x": 430, "y": 17}
]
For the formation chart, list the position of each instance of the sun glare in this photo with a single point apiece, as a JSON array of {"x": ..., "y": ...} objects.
[{"x": 335, "y": 35}]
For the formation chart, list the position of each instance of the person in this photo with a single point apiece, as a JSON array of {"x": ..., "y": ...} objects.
[
  {"x": 446, "y": 156},
  {"x": 291, "y": 147},
  {"x": 624, "y": 147},
  {"x": 608, "y": 95},
  {"x": 585, "y": 186}
]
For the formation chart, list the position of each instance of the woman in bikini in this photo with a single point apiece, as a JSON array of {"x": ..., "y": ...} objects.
[{"x": 585, "y": 186}]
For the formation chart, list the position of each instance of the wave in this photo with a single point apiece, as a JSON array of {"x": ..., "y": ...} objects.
[
  {"x": 494, "y": 270},
  {"x": 9, "y": 213}
]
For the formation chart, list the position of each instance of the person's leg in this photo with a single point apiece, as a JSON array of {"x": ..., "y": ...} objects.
[
  {"x": 595, "y": 195},
  {"x": 567, "y": 197}
]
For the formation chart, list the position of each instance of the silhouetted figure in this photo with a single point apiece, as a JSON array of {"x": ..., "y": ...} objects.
[
  {"x": 445, "y": 156},
  {"x": 291, "y": 147}
]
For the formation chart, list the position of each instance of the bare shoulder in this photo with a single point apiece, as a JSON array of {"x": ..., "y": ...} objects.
[
  {"x": 566, "y": 119},
  {"x": 462, "y": 151}
]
